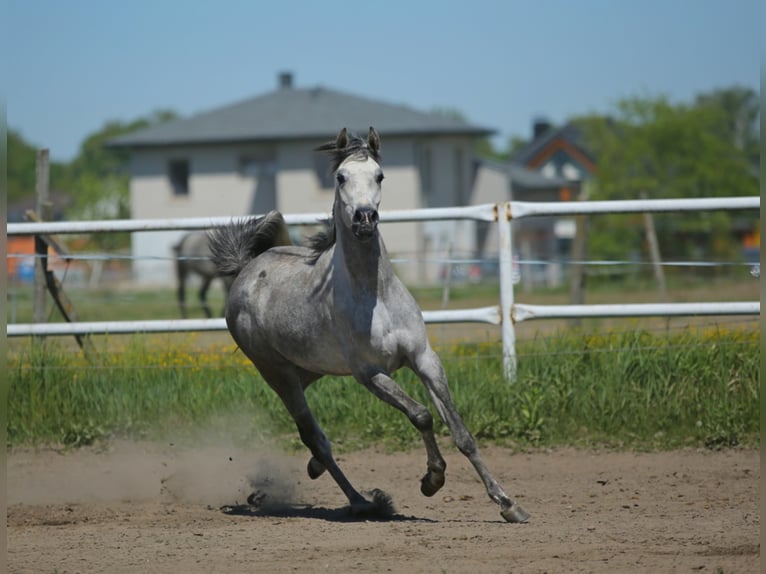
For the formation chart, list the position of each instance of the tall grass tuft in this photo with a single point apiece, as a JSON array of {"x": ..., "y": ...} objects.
[{"x": 624, "y": 390}]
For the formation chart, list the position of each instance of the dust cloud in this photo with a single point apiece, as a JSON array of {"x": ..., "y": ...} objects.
[{"x": 212, "y": 469}]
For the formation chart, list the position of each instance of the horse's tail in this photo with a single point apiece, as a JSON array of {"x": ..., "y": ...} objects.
[{"x": 235, "y": 245}]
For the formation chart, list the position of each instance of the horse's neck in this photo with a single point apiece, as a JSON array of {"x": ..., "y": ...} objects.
[{"x": 365, "y": 263}]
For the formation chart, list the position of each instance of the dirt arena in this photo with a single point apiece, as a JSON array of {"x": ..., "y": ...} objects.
[{"x": 164, "y": 508}]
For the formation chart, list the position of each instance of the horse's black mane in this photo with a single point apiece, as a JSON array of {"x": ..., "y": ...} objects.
[{"x": 355, "y": 147}]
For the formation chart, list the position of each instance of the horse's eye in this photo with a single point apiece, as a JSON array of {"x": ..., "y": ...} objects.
[
  {"x": 341, "y": 178},
  {"x": 379, "y": 178}
]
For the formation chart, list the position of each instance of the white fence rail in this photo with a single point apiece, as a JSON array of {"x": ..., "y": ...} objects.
[{"x": 506, "y": 314}]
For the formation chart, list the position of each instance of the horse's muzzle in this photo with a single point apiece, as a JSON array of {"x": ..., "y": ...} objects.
[{"x": 364, "y": 223}]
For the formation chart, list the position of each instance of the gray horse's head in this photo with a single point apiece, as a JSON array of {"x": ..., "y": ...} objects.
[{"x": 358, "y": 177}]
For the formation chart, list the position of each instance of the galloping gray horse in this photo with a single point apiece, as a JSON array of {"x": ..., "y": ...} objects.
[
  {"x": 192, "y": 255},
  {"x": 300, "y": 312}
]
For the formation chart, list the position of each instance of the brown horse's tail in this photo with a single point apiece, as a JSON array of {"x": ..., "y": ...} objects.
[{"x": 235, "y": 245}]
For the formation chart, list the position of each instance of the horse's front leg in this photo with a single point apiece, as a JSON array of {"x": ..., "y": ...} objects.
[
  {"x": 429, "y": 368},
  {"x": 387, "y": 390},
  {"x": 290, "y": 390}
]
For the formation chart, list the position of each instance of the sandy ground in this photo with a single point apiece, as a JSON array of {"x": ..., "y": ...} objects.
[{"x": 166, "y": 508}]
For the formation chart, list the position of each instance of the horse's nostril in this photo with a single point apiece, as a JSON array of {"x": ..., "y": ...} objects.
[{"x": 366, "y": 215}]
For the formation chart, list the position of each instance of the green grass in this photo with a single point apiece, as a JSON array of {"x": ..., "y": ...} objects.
[{"x": 624, "y": 390}]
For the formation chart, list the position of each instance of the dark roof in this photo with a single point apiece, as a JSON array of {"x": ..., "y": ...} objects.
[
  {"x": 293, "y": 113},
  {"x": 569, "y": 132}
]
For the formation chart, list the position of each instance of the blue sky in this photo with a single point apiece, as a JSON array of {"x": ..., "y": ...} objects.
[{"x": 75, "y": 64}]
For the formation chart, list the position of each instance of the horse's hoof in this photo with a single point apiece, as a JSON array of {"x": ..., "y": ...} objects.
[
  {"x": 256, "y": 498},
  {"x": 381, "y": 506},
  {"x": 429, "y": 486},
  {"x": 515, "y": 513},
  {"x": 315, "y": 468}
]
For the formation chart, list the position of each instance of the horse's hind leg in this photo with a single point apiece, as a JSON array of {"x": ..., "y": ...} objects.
[
  {"x": 429, "y": 368},
  {"x": 181, "y": 290},
  {"x": 206, "y": 281},
  {"x": 386, "y": 389}
]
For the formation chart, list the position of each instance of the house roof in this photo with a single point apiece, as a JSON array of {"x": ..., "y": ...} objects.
[
  {"x": 569, "y": 136},
  {"x": 523, "y": 177},
  {"x": 297, "y": 113}
]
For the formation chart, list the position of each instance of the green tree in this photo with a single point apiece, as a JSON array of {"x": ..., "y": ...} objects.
[
  {"x": 99, "y": 180},
  {"x": 98, "y": 175},
  {"x": 515, "y": 145},
  {"x": 740, "y": 113},
  {"x": 667, "y": 150},
  {"x": 21, "y": 167},
  {"x": 21, "y": 162},
  {"x": 96, "y": 178}
]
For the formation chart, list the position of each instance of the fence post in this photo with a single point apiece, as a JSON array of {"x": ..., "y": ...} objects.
[
  {"x": 654, "y": 252},
  {"x": 505, "y": 256},
  {"x": 42, "y": 193}
]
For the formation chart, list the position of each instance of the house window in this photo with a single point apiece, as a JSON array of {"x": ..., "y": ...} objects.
[
  {"x": 549, "y": 170},
  {"x": 178, "y": 173},
  {"x": 570, "y": 172},
  {"x": 248, "y": 166}
]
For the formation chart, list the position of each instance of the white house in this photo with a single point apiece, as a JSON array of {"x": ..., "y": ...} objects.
[{"x": 256, "y": 155}]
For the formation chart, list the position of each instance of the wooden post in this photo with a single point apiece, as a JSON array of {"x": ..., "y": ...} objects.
[
  {"x": 654, "y": 252},
  {"x": 54, "y": 285},
  {"x": 42, "y": 194}
]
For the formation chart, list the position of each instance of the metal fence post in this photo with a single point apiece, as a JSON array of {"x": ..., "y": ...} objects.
[{"x": 505, "y": 256}]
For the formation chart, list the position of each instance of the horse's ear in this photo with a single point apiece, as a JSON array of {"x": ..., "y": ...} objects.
[
  {"x": 341, "y": 142},
  {"x": 373, "y": 141}
]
